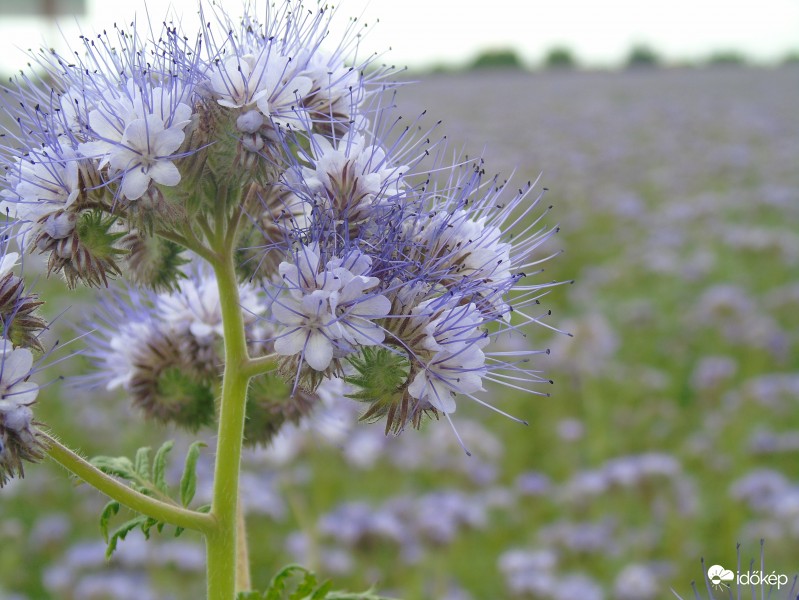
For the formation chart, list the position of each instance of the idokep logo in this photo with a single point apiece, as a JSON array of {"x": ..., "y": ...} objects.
[{"x": 719, "y": 578}]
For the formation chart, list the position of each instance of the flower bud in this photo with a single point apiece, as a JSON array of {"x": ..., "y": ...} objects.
[
  {"x": 250, "y": 122},
  {"x": 20, "y": 440},
  {"x": 18, "y": 321},
  {"x": 270, "y": 405},
  {"x": 153, "y": 261},
  {"x": 166, "y": 385},
  {"x": 87, "y": 253},
  {"x": 238, "y": 158},
  {"x": 159, "y": 207}
]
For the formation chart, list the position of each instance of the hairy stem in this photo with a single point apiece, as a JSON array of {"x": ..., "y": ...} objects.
[
  {"x": 243, "y": 583},
  {"x": 260, "y": 365},
  {"x": 221, "y": 544},
  {"x": 191, "y": 242},
  {"x": 116, "y": 490}
]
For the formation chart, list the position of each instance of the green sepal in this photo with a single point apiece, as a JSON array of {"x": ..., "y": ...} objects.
[
  {"x": 184, "y": 397},
  {"x": 379, "y": 373},
  {"x": 155, "y": 262},
  {"x": 379, "y": 379},
  {"x": 94, "y": 232},
  {"x": 270, "y": 405}
]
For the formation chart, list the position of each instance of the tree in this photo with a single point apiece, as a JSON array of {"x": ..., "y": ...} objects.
[
  {"x": 560, "y": 58},
  {"x": 504, "y": 58},
  {"x": 642, "y": 56}
]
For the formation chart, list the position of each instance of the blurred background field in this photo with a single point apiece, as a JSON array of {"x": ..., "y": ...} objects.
[{"x": 672, "y": 429}]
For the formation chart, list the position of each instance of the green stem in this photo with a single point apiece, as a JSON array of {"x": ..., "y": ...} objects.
[
  {"x": 233, "y": 227},
  {"x": 260, "y": 365},
  {"x": 188, "y": 241},
  {"x": 168, "y": 513},
  {"x": 243, "y": 583},
  {"x": 209, "y": 233},
  {"x": 221, "y": 545}
]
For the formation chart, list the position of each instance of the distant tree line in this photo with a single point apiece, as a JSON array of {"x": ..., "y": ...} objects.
[{"x": 640, "y": 56}]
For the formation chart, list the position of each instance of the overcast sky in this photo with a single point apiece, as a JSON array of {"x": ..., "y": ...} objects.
[{"x": 425, "y": 32}]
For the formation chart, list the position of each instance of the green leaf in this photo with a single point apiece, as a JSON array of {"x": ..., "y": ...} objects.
[
  {"x": 278, "y": 584},
  {"x": 111, "y": 509},
  {"x": 142, "y": 463},
  {"x": 149, "y": 524},
  {"x": 120, "y": 466},
  {"x": 305, "y": 588},
  {"x": 159, "y": 467},
  {"x": 321, "y": 592},
  {"x": 188, "y": 483},
  {"x": 121, "y": 533},
  {"x": 351, "y": 596}
]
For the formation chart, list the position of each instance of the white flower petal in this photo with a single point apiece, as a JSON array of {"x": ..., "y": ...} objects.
[
  {"x": 292, "y": 342},
  {"x": 8, "y": 262},
  {"x": 440, "y": 396},
  {"x": 17, "y": 365},
  {"x": 318, "y": 351},
  {"x": 18, "y": 419},
  {"x": 372, "y": 308},
  {"x": 165, "y": 173},
  {"x": 23, "y": 393},
  {"x": 134, "y": 183},
  {"x": 288, "y": 312},
  {"x": 418, "y": 388},
  {"x": 168, "y": 141},
  {"x": 202, "y": 331}
]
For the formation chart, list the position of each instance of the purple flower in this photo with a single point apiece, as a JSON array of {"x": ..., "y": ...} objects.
[
  {"x": 19, "y": 436},
  {"x": 321, "y": 309}
]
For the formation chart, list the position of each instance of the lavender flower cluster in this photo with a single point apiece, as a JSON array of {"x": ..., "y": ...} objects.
[
  {"x": 361, "y": 255},
  {"x": 20, "y": 325}
]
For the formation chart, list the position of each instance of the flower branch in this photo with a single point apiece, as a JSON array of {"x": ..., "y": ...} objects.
[{"x": 111, "y": 487}]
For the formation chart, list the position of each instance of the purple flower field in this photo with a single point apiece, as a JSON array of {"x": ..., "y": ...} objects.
[{"x": 670, "y": 433}]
